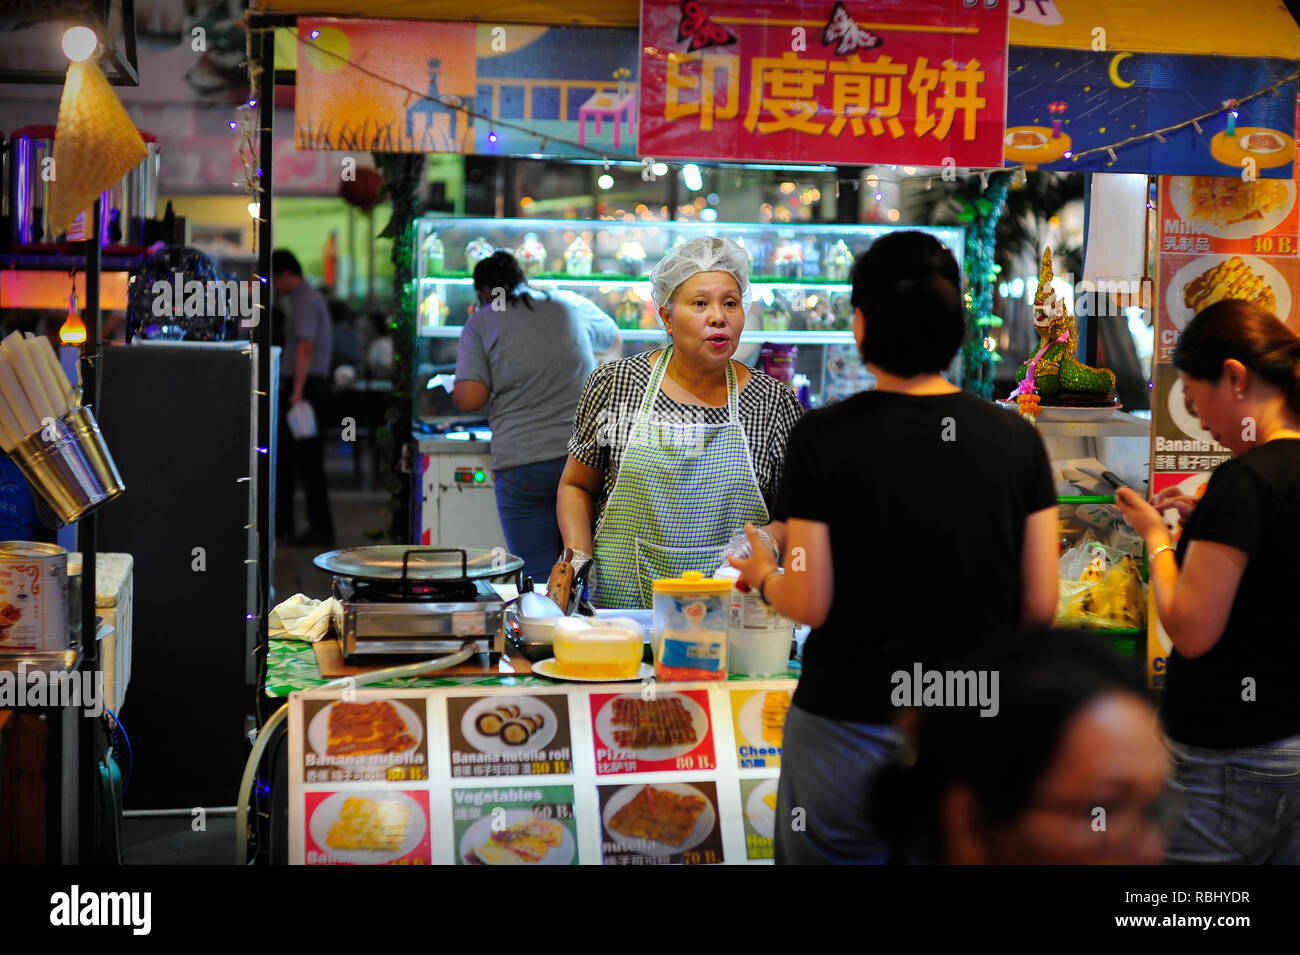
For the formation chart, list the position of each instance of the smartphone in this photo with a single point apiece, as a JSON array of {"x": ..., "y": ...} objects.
[{"x": 1112, "y": 479}]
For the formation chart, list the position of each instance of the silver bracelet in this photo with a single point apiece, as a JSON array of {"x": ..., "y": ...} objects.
[{"x": 1158, "y": 551}]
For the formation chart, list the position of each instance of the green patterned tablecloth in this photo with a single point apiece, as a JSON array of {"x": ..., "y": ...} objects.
[{"x": 291, "y": 665}]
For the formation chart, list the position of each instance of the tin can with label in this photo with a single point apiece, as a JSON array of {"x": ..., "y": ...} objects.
[{"x": 33, "y": 597}]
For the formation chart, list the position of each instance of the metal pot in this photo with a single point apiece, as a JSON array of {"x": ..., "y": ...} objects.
[{"x": 127, "y": 205}]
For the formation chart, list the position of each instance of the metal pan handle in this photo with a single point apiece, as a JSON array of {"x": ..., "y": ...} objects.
[{"x": 406, "y": 556}]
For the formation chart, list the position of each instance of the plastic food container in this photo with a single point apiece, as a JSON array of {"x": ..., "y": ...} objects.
[
  {"x": 598, "y": 649},
  {"x": 758, "y": 638},
  {"x": 691, "y": 613}
]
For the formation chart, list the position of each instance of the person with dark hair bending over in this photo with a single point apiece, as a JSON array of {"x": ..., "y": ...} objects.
[
  {"x": 525, "y": 355},
  {"x": 1074, "y": 733},
  {"x": 1231, "y": 703},
  {"x": 922, "y": 521}
]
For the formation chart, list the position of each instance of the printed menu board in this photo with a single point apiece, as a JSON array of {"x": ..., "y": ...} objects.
[
  {"x": 660, "y": 824},
  {"x": 368, "y": 827},
  {"x": 1218, "y": 238},
  {"x": 519, "y": 825},
  {"x": 759, "y": 721},
  {"x": 510, "y": 735},
  {"x": 680, "y": 773},
  {"x": 372, "y": 741},
  {"x": 758, "y": 803},
  {"x": 640, "y": 733}
]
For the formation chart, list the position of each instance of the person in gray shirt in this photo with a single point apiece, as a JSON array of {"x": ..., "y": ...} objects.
[
  {"x": 304, "y": 376},
  {"x": 525, "y": 355}
]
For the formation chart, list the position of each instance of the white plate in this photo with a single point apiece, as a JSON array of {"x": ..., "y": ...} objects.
[
  {"x": 327, "y": 813},
  {"x": 479, "y": 833},
  {"x": 1076, "y": 415},
  {"x": 528, "y": 706},
  {"x": 703, "y": 825},
  {"x": 1187, "y": 423},
  {"x": 699, "y": 719},
  {"x": 760, "y": 817},
  {"x": 750, "y": 717},
  {"x": 318, "y": 731},
  {"x": 547, "y": 668},
  {"x": 1180, "y": 192},
  {"x": 1180, "y": 314}
]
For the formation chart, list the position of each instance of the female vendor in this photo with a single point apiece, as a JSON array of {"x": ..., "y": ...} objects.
[{"x": 675, "y": 449}]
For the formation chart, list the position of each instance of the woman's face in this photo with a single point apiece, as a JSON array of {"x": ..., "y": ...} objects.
[
  {"x": 1102, "y": 800},
  {"x": 705, "y": 319},
  {"x": 1214, "y": 404}
]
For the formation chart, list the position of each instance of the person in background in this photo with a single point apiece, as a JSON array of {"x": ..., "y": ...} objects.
[
  {"x": 345, "y": 338},
  {"x": 674, "y": 449},
  {"x": 524, "y": 356},
  {"x": 921, "y": 523},
  {"x": 304, "y": 376},
  {"x": 379, "y": 353},
  {"x": 1231, "y": 704},
  {"x": 1070, "y": 770}
]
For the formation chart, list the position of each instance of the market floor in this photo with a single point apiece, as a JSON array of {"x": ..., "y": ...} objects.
[{"x": 357, "y": 510}]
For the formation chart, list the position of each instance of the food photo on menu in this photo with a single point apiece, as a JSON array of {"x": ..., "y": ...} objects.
[
  {"x": 374, "y": 740},
  {"x": 515, "y": 735},
  {"x": 521, "y": 825},
  {"x": 759, "y": 722},
  {"x": 671, "y": 730},
  {"x": 660, "y": 824},
  {"x": 371, "y": 827},
  {"x": 758, "y": 804}
]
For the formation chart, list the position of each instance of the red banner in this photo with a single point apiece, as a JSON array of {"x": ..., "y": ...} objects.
[{"x": 922, "y": 82}]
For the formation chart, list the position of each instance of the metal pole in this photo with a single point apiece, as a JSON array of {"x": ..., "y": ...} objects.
[
  {"x": 88, "y": 744},
  {"x": 262, "y": 336}
]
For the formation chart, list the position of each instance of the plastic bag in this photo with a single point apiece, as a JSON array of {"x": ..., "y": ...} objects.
[
  {"x": 1100, "y": 588},
  {"x": 302, "y": 421}
]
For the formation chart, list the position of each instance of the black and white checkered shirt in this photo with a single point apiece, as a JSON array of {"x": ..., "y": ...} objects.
[{"x": 610, "y": 400}]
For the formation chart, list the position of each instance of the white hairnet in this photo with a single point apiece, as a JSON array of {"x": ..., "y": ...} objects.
[{"x": 705, "y": 254}]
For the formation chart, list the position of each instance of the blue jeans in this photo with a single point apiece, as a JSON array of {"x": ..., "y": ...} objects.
[
  {"x": 827, "y": 770},
  {"x": 526, "y": 505},
  {"x": 1241, "y": 805}
]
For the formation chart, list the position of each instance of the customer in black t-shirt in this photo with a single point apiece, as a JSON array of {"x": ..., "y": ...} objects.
[
  {"x": 922, "y": 523},
  {"x": 1231, "y": 705}
]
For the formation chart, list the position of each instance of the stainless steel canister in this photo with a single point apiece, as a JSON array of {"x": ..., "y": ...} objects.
[
  {"x": 125, "y": 206},
  {"x": 69, "y": 465},
  {"x": 33, "y": 597}
]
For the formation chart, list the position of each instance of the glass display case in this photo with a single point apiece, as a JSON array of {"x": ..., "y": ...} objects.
[{"x": 799, "y": 322}]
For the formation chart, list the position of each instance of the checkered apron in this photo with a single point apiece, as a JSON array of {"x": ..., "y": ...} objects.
[{"x": 680, "y": 493}]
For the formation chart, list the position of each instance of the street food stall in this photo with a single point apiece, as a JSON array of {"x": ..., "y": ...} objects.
[{"x": 649, "y": 771}]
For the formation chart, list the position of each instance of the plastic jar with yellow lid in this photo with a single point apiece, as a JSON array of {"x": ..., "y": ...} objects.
[{"x": 691, "y": 613}]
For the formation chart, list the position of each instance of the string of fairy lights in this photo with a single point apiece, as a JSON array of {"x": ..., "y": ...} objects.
[{"x": 1228, "y": 112}]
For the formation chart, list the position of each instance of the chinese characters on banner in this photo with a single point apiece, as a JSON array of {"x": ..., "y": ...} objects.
[
  {"x": 922, "y": 82},
  {"x": 1218, "y": 238}
]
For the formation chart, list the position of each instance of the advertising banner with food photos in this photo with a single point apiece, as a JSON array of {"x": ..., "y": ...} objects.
[
  {"x": 658, "y": 774},
  {"x": 921, "y": 82},
  {"x": 1218, "y": 238}
]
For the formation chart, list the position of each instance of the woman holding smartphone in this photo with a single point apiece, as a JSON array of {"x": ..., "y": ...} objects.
[{"x": 1231, "y": 705}]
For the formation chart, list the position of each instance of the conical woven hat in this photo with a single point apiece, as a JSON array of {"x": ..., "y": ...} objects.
[{"x": 95, "y": 145}]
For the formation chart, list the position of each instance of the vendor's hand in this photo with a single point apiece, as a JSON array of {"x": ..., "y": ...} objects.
[
  {"x": 754, "y": 569},
  {"x": 295, "y": 397},
  {"x": 1142, "y": 517},
  {"x": 1175, "y": 498}
]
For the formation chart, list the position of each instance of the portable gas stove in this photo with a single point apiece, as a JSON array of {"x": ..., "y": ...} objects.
[{"x": 417, "y": 601}]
